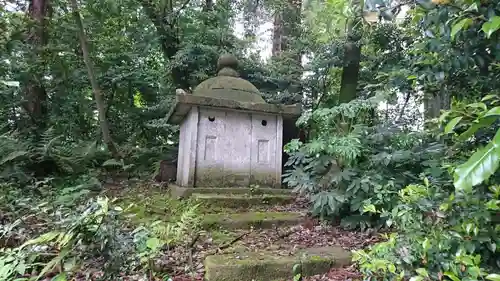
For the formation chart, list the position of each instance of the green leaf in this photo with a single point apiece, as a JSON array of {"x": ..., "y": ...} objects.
[
  {"x": 491, "y": 26},
  {"x": 480, "y": 166},
  {"x": 472, "y": 7},
  {"x": 483, "y": 122},
  {"x": 478, "y": 105},
  {"x": 112, "y": 162},
  {"x": 12, "y": 156},
  {"x": 422, "y": 272},
  {"x": 451, "y": 275},
  {"x": 495, "y": 111},
  {"x": 493, "y": 277},
  {"x": 451, "y": 125},
  {"x": 417, "y": 278},
  {"x": 426, "y": 245},
  {"x": 153, "y": 243},
  {"x": 489, "y": 97},
  {"x": 44, "y": 238},
  {"x": 463, "y": 24},
  {"x": 60, "y": 277},
  {"x": 21, "y": 268},
  {"x": 55, "y": 261},
  {"x": 369, "y": 209},
  {"x": 10, "y": 83}
]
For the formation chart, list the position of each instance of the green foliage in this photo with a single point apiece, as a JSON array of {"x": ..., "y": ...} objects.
[
  {"x": 151, "y": 240},
  {"x": 438, "y": 235},
  {"x": 80, "y": 236},
  {"x": 349, "y": 164},
  {"x": 94, "y": 227}
]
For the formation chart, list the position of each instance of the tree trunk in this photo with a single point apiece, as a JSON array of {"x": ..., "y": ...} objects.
[
  {"x": 99, "y": 100},
  {"x": 165, "y": 22},
  {"x": 35, "y": 102},
  {"x": 286, "y": 29},
  {"x": 435, "y": 101},
  {"x": 352, "y": 55},
  {"x": 209, "y": 6},
  {"x": 277, "y": 34},
  {"x": 251, "y": 19}
]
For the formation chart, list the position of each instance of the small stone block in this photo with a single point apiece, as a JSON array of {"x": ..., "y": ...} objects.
[
  {"x": 242, "y": 201},
  {"x": 271, "y": 267},
  {"x": 262, "y": 220}
]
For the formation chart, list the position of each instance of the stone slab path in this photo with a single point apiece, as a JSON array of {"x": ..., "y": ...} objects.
[{"x": 256, "y": 236}]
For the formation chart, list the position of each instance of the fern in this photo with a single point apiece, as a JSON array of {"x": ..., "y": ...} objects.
[{"x": 174, "y": 232}]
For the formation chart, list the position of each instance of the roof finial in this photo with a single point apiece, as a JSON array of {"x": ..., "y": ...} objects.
[{"x": 227, "y": 65}]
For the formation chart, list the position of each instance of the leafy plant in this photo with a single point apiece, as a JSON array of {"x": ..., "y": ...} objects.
[{"x": 151, "y": 241}]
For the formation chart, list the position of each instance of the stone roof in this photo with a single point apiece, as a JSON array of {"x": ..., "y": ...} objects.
[
  {"x": 184, "y": 102},
  {"x": 227, "y": 91},
  {"x": 227, "y": 84}
]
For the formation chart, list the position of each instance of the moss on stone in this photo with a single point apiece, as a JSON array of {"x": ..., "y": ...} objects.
[
  {"x": 222, "y": 177},
  {"x": 242, "y": 201},
  {"x": 247, "y": 220},
  {"x": 229, "y": 88},
  {"x": 185, "y": 192},
  {"x": 184, "y": 103},
  {"x": 220, "y": 237},
  {"x": 147, "y": 207},
  {"x": 268, "y": 266}
]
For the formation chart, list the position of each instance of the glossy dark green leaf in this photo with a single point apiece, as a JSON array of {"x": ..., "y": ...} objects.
[
  {"x": 462, "y": 24},
  {"x": 451, "y": 125},
  {"x": 495, "y": 111},
  {"x": 483, "y": 122},
  {"x": 493, "y": 277},
  {"x": 480, "y": 166},
  {"x": 491, "y": 26}
]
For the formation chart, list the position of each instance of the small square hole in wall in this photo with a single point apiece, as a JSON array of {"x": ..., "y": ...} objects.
[
  {"x": 264, "y": 123},
  {"x": 211, "y": 118}
]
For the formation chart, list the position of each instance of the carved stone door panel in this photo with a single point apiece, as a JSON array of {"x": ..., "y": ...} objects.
[
  {"x": 237, "y": 149},
  {"x": 264, "y": 150},
  {"x": 210, "y": 148}
]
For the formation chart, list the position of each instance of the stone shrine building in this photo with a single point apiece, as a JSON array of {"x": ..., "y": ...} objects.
[{"x": 229, "y": 136}]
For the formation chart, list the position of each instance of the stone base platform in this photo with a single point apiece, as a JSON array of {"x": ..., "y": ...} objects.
[
  {"x": 242, "y": 201},
  {"x": 260, "y": 220},
  {"x": 269, "y": 266},
  {"x": 178, "y": 192}
]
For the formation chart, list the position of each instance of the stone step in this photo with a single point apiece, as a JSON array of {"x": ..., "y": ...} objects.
[
  {"x": 184, "y": 192},
  {"x": 269, "y": 266},
  {"x": 262, "y": 220},
  {"x": 242, "y": 201}
]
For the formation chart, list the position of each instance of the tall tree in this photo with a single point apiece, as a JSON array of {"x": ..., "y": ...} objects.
[
  {"x": 99, "y": 100},
  {"x": 352, "y": 53},
  {"x": 286, "y": 31},
  {"x": 35, "y": 102}
]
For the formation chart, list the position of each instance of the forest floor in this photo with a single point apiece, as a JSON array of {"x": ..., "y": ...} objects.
[{"x": 184, "y": 263}]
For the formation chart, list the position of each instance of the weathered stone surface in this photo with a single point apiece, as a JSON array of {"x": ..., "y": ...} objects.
[
  {"x": 242, "y": 201},
  {"x": 261, "y": 220},
  {"x": 227, "y": 84},
  {"x": 185, "y": 192},
  {"x": 184, "y": 102},
  {"x": 229, "y": 135},
  {"x": 268, "y": 266}
]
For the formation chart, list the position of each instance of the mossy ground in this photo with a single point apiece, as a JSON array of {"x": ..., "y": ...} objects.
[
  {"x": 221, "y": 237},
  {"x": 144, "y": 207}
]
